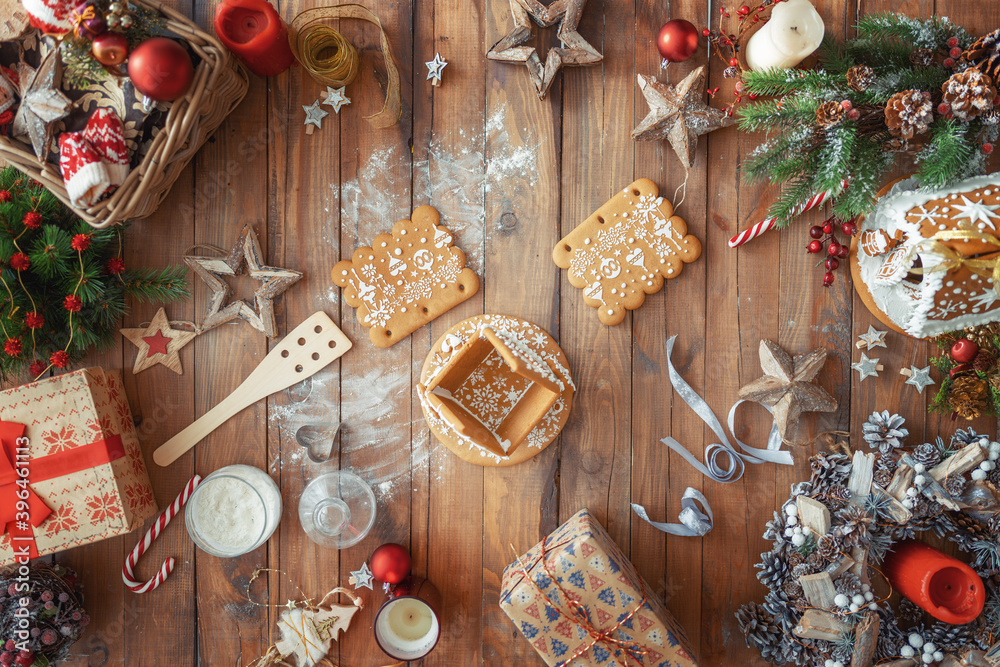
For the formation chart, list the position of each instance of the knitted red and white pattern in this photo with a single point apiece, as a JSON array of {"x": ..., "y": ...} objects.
[
  {"x": 94, "y": 161},
  {"x": 51, "y": 16}
]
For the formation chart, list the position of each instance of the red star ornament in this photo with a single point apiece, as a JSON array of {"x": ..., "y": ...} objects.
[{"x": 158, "y": 344}]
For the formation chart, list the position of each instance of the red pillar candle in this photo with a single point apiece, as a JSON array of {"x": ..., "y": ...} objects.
[
  {"x": 253, "y": 31},
  {"x": 946, "y": 588}
]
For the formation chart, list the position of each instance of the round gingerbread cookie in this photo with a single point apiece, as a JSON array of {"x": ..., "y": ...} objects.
[{"x": 497, "y": 388}]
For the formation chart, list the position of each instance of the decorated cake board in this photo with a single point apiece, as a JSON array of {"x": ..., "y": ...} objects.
[{"x": 486, "y": 381}]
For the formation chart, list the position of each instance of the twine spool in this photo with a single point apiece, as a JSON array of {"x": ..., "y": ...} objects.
[{"x": 326, "y": 55}]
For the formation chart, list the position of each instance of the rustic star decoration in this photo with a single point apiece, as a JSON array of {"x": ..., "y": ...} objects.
[
  {"x": 362, "y": 578},
  {"x": 787, "y": 387},
  {"x": 918, "y": 377},
  {"x": 158, "y": 344},
  {"x": 866, "y": 367},
  {"x": 874, "y": 338},
  {"x": 678, "y": 114},
  {"x": 435, "y": 68},
  {"x": 314, "y": 116},
  {"x": 336, "y": 98},
  {"x": 575, "y": 50},
  {"x": 274, "y": 282},
  {"x": 42, "y": 103}
]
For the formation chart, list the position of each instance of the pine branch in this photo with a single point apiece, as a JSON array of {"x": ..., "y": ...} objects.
[
  {"x": 835, "y": 158},
  {"x": 788, "y": 200},
  {"x": 930, "y": 33},
  {"x": 946, "y": 152},
  {"x": 787, "y": 112},
  {"x": 833, "y": 56},
  {"x": 773, "y": 82},
  {"x": 162, "y": 285}
]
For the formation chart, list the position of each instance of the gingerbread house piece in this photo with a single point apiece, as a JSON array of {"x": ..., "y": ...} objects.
[
  {"x": 493, "y": 359},
  {"x": 925, "y": 259}
]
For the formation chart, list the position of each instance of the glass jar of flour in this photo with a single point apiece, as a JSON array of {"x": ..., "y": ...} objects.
[{"x": 233, "y": 511}]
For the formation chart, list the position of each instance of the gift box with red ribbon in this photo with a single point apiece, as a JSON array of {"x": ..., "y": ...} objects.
[
  {"x": 71, "y": 470},
  {"x": 579, "y": 601}
]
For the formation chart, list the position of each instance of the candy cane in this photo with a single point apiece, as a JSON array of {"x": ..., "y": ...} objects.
[
  {"x": 756, "y": 230},
  {"x": 128, "y": 576}
]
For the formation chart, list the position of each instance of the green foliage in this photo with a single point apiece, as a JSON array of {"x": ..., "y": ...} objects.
[
  {"x": 892, "y": 27},
  {"x": 56, "y": 271}
]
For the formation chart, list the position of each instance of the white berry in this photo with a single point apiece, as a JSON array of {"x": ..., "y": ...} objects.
[
  {"x": 907, "y": 652},
  {"x": 912, "y": 491},
  {"x": 994, "y": 455},
  {"x": 927, "y": 658},
  {"x": 865, "y": 588},
  {"x": 841, "y": 600},
  {"x": 797, "y": 530},
  {"x": 828, "y": 663},
  {"x": 929, "y": 647},
  {"x": 869, "y": 596},
  {"x": 792, "y": 520},
  {"x": 919, "y": 480},
  {"x": 791, "y": 509},
  {"x": 979, "y": 474},
  {"x": 938, "y": 656},
  {"x": 854, "y": 607},
  {"x": 838, "y": 663},
  {"x": 873, "y": 606},
  {"x": 789, "y": 532},
  {"x": 858, "y": 600},
  {"x": 798, "y": 539},
  {"x": 919, "y": 468},
  {"x": 915, "y": 640}
]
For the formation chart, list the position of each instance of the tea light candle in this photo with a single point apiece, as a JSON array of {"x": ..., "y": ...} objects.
[
  {"x": 794, "y": 30},
  {"x": 233, "y": 511},
  {"x": 253, "y": 31},
  {"x": 407, "y": 626},
  {"x": 945, "y": 587}
]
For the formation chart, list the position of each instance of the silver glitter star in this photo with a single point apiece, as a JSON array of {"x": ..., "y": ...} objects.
[
  {"x": 336, "y": 98},
  {"x": 920, "y": 378},
  {"x": 976, "y": 212},
  {"x": 435, "y": 68},
  {"x": 362, "y": 578},
  {"x": 314, "y": 115},
  {"x": 866, "y": 367},
  {"x": 874, "y": 338}
]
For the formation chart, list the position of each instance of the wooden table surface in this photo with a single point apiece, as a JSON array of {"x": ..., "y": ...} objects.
[{"x": 510, "y": 175}]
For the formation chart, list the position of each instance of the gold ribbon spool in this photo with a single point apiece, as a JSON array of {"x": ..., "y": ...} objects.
[{"x": 329, "y": 55}]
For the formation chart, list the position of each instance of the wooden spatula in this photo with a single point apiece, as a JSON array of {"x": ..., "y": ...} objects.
[{"x": 308, "y": 349}]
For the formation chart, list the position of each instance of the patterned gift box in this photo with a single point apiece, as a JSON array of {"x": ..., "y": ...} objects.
[
  {"x": 85, "y": 465},
  {"x": 579, "y": 601}
]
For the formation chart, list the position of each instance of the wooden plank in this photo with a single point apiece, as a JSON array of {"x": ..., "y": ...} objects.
[
  {"x": 866, "y": 637},
  {"x": 818, "y": 589},
  {"x": 819, "y": 624},
  {"x": 813, "y": 515},
  {"x": 860, "y": 481}
]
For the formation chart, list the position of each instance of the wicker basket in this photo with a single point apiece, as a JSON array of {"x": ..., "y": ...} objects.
[{"x": 220, "y": 82}]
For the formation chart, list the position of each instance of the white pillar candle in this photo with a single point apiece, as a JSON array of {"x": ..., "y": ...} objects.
[
  {"x": 407, "y": 628},
  {"x": 794, "y": 30}
]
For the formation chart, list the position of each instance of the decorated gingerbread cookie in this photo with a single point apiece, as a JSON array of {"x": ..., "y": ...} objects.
[
  {"x": 496, "y": 390},
  {"x": 625, "y": 250},
  {"x": 406, "y": 279}
]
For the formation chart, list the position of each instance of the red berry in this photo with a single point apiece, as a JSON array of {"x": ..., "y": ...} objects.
[
  {"x": 831, "y": 263},
  {"x": 59, "y": 359},
  {"x": 10, "y": 645},
  {"x": 733, "y": 62},
  {"x": 49, "y": 637},
  {"x": 833, "y": 248},
  {"x": 744, "y": 10},
  {"x": 944, "y": 108},
  {"x": 845, "y": 250},
  {"x": 80, "y": 242},
  {"x": 13, "y": 347},
  {"x": 854, "y": 114},
  {"x": 32, "y": 219},
  {"x": 706, "y": 32},
  {"x": 20, "y": 262},
  {"x": 6, "y": 658},
  {"x": 814, "y": 247},
  {"x": 816, "y": 232},
  {"x": 752, "y": 96},
  {"x": 36, "y": 368},
  {"x": 72, "y": 303},
  {"x": 827, "y": 279},
  {"x": 987, "y": 148},
  {"x": 5, "y": 196},
  {"x": 952, "y": 42},
  {"x": 34, "y": 320},
  {"x": 949, "y": 63},
  {"x": 739, "y": 86},
  {"x": 850, "y": 228},
  {"x": 828, "y": 227},
  {"x": 21, "y": 661},
  {"x": 846, "y": 105},
  {"x": 115, "y": 266},
  {"x": 955, "y": 52}
]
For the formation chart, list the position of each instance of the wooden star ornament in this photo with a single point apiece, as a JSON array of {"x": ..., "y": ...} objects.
[
  {"x": 158, "y": 344},
  {"x": 42, "y": 103},
  {"x": 274, "y": 281},
  {"x": 786, "y": 386},
  {"x": 575, "y": 50},
  {"x": 678, "y": 114}
]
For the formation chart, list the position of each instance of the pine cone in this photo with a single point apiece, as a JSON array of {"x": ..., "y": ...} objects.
[
  {"x": 848, "y": 583},
  {"x": 984, "y": 634},
  {"x": 908, "y": 113},
  {"x": 801, "y": 570},
  {"x": 816, "y": 561},
  {"x": 968, "y": 396},
  {"x": 829, "y": 114},
  {"x": 860, "y": 77},
  {"x": 828, "y": 547},
  {"x": 793, "y": 589},
  {"x": 795, "y": 558},
  {"x": 969, "y": 93},
  {"x": 955, "y": 485},
  {"x": 922, "y": 57},
  {"x": 984, "y": 361},
  {"x": 758, "y": 626},
  {"x": 884, "y": 431},
  {"x": 984, "y": 55},
  {"x": 773, "y": 570},
  {"x": 827, "y": 470},
  {"x": 976, "y": 530},
  {"x": 983, "y": 334},
  {"x": 888, "y": 460},
  {"x": 927, "y": 454},
  {"x": 853, "y": 529},
  {"x": 883, "y": 476},
  {"x": 949, "y": 637},
  {"x": 909, "y": 612},
  {"x": 895, "y": 145}
]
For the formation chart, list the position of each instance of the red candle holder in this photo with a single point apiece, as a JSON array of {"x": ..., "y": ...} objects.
[
  {"x": 253, "y": 31},
  {"x": 945, "y": 587}
]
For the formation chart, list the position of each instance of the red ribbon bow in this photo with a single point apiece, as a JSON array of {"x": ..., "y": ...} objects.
[{"x": 41, "y": 469}]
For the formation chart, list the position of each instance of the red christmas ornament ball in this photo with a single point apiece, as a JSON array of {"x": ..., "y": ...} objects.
[
  {"x": 160, "y": 69},
  {"x": 964, "y": 351},
  {"x": 677, "y": 40},
  {"x": 110, "y": 48},
  {"x": 390, "y": 563}
]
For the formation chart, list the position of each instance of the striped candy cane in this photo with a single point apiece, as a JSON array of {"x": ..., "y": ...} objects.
[
  {"x": 756, "y": 230},
  {"x": 128, "y": 575}
]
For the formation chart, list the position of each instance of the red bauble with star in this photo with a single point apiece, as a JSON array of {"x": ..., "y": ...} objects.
[
  {"x": 390, "y": 563},
  {"x": 677, "y": 40}
]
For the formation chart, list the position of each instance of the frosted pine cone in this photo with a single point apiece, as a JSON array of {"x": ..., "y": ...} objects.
[
  {"x": 909, "y": 612},
  {"x": 908, "y": 113},
  {"x": 848, "y": 583},
  {"x": 773, "y": 570},
  {"x": 854, "y": 527},
  {"x": 860, "y": 77},
  {"x": 927, "y": 454},
  {"x": 827, "y": 470},
  {"x": 884, "y": 432},
  {"x": 828, "y": 547},
  {"x": 922, "y": 57},
  {"x": 795, "y": 558},
  {"x": 895, "y": 145},
  {"x": 955, "y": 485},
  {"x": 829, "y": 114},
  {"x": 984, "y": 55},
  {"x": 882, "y": 476},
  {"x": 968, "y": 93}
]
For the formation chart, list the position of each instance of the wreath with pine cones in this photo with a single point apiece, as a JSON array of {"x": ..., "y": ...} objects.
[{"x": 913, "y": 492}]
